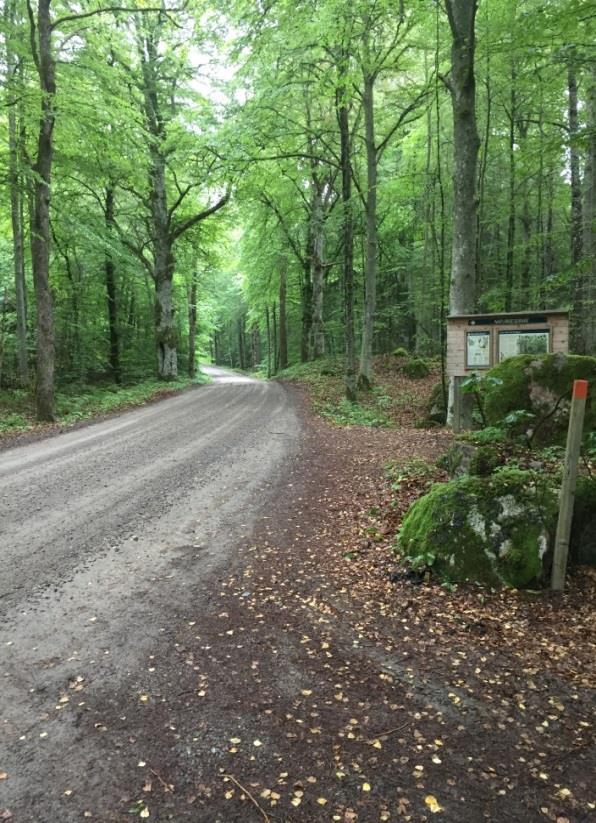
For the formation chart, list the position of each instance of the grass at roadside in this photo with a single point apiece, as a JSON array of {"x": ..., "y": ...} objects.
[
  {"x": 80, "y": 402},
  {"x": 395, "y": 399}
]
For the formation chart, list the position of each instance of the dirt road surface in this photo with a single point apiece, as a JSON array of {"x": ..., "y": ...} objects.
[
  {"x": 199, "y": 624},
  {"x": 110, "y": 535}
]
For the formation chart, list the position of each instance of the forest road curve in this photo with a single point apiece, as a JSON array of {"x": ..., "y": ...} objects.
[{"x": 111, "y": 534}]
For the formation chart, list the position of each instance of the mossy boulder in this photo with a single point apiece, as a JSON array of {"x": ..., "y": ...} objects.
[
  {"x": 464, "y": 457},
  {"x": 540, "y": 385},
  {"x": 495, "y": 530},
  {"x": 416, "y": 368},
  {"x": 582, "y": 545}
]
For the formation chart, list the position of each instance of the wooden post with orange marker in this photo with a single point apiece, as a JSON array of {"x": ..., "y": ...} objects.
[{"x": 574, "y": 439}]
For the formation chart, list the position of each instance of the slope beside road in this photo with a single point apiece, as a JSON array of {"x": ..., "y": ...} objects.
[{"x": 109, "y": 534}]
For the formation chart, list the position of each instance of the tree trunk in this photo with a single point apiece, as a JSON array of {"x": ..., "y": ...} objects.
[
  {"x": 192, "y": 326},
  {"x": 347, "y": 237},
  {"x": 283, "y": 323},
  {"x": 576, "y": 187},
  {"x": 241, "y": 348},
  {"x": 589, "y": 214},
  {"x": 16, "y": 198},
  {"x": 275, "y": 349},
  {"x": 365, "y": 376},
  {"x": 111, "y": 289},
  {"x": 462, "y": 85},
  {"x": 526, "y": 263},
  {"x": 318, "y": 274},
  {"x": 307, "y": 292},
  {"x": 579, "y": 315},
  {"x": 40, "y": 241},
  {"x": 255, "y": 346},
  {"x": 462, "y": 14},
  {"x": 512, "y": 215},
  {"x": 162, "y": 240},
  {"x": 268, "y": 325}
]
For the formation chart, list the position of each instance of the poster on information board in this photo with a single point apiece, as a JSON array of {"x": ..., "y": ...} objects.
[{"x": 478, "y": 350}]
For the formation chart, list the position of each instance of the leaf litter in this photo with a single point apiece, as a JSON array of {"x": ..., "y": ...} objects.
[{"x": 321, "y": 684}]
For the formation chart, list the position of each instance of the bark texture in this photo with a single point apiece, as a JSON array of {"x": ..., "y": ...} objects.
[
  {"x": 192, "y": 327},
  {"x": 365, "y": 376},
  {"x": 40, "y": 240},
  {"x": 110, "y": 271},
  {"x": 589, "y": 214},
  {"x": 283, "y": 321},
  {"x": 16, "y": 198},
  {"x": 347, "y": 243},
  {"x": 462, "y": 85}
]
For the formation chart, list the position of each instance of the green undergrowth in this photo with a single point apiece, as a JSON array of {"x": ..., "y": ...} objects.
[
  {"x": 80, "y": 402},
  {"x": 325, "y": 382}
]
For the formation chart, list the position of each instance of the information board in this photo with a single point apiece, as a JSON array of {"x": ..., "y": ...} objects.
[
  {"x": 523, "y": 342},
  {"x": 478, "y": 350}
]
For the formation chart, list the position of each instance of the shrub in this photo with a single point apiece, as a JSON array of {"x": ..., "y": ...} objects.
[{"x": 415, "y": 368}]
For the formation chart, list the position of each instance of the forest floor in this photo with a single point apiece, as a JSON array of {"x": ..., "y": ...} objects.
[
  {"x": 319, "y": 683},
  {"x": 354, "y": 694}
]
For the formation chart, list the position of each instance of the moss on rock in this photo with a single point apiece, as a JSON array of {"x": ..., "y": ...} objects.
[
  {"x": 416, "y": 368},
  {"x": 494, "y": 530},
  {"x": 540, "y": 384}
]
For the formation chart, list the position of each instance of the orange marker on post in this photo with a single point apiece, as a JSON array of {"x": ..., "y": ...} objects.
[{"x": 574, "y": 439}]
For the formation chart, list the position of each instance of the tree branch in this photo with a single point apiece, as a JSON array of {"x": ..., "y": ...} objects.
[
  {"x": 202, "y": 215},
  {"x": 69, "y": 18}
]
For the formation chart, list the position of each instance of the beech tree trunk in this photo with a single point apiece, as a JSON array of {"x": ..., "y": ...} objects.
[
  {"x": 192, "y": 326},
  {"x": 574, "y": 164},
  {"x": 268, "y": 327},
  {"x": 241, "y": 348},
  {"x": 283, "y": 323},
  {"x": 307, "y": 292},
  {"x": 111, "y": 289},
  {"x": 462, "y": 85},
  {"x": 16, "y": 199},
  {"x": 365, "y": 376},
  {"x": 589, "y": 215},
  {"x": 318, "y": 273},
  {"x": 512, "y": 211},
  {"x": 343, "y": 119},
  {"x": 579, "y": 313},
  {"x": 40, "y": 240}
]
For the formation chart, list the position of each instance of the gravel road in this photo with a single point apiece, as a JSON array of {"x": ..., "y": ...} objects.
[{"x": 109, "y": 534}]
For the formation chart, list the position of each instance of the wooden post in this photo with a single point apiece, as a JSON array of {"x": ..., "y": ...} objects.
[
  {"x": 574, "y": 438},
  {"x": 457, "y": 399},
  {"x": 463, "y": 406}
]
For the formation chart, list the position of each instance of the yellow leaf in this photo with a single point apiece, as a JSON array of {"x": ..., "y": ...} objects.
[
  {"x": 433, "y": 804},
  {"x": 366, "y": 787},
  {"x": 144, "y": 812},
  {"x": 322, "y": 801},
  {"x": 296, "y": 801}
]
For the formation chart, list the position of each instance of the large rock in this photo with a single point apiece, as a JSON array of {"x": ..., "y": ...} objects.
[
  {"x": 542, "y": 385},
  {"x": 495, "y": 530}
]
